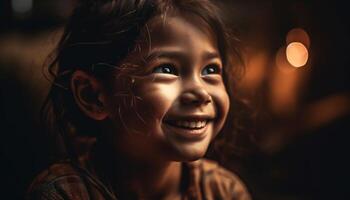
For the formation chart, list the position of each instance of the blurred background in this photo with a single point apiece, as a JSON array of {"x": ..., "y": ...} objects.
[{"x": 297, "y": 79}]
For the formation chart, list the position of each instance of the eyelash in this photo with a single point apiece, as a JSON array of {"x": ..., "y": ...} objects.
[
  {"x": 171, "y": 69},
  {"x": 215, "y": 69}
]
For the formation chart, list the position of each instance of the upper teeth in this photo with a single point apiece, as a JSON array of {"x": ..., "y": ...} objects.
[{"x": 191, "y": 124}]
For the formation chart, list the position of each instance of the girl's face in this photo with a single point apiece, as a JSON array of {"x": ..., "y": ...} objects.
[{"x": 180, "y": 98}]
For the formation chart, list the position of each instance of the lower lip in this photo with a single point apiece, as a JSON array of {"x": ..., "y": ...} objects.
[{"x": 185, "y": 133}]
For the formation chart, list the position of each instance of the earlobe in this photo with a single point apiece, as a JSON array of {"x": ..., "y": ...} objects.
[{"x": 89, "y": 95}]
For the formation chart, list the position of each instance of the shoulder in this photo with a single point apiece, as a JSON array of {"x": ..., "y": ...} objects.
[
  {"x": 220, "y": 183},
  {"x": 59, "y": 181}
]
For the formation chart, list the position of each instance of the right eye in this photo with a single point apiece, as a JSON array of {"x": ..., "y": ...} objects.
[{"x": 165, "y": 69}]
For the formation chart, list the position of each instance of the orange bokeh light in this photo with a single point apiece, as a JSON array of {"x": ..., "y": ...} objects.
[{"x": 297, "y": 54}]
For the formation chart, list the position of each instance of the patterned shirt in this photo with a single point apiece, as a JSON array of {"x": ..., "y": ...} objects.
[{"x": 65, "y": 181}]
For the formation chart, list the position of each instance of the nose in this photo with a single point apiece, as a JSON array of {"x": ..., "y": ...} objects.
[{"x": 196, "y": 96}]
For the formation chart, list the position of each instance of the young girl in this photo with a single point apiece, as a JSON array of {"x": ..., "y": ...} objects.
[{"x": 149, "y": 79}]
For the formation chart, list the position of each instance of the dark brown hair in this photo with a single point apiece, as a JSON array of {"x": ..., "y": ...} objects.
[{"x": 101, "y": 33}]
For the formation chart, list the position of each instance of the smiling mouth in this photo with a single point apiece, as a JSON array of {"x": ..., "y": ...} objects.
[
  {"x": 188, "y": 124},
  {"x": 188, "y": 129}
]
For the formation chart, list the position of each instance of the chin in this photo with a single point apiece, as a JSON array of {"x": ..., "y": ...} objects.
[
  {"x": 188, "y": 154},
  {"x": 188, "y": 158},
  {"x": 193, "y": 158}
]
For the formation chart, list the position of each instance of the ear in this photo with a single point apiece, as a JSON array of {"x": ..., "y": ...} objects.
[{"x": 89, "y": 95}]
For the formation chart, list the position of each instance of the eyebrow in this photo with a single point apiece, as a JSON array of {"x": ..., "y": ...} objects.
[{"x": 208, "y": 55}]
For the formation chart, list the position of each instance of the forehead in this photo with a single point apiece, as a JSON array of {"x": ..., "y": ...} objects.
[{"x": 177, "y": 30}]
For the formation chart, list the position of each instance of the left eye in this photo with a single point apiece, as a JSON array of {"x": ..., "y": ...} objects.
[
  {"x": 211, "y": 69},
  {"x": 166, "y": 69}
]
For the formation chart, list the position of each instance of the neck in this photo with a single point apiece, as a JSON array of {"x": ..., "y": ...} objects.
[
  {"x": 154, "y": 181},
  {"x": 147, "y": 180}
]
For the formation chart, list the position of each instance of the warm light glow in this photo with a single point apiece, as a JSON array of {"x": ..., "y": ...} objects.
[
  {"x": 22, "y": 6},
  {"x": 297, "y": 54},
  {"x": 298, "y": 35},
  {"x": 256, "y": 63}
]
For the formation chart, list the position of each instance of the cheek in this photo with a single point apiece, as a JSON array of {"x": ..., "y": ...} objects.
[
  {"x": 142, "y": 108},
  {"x": 225, "y": 102},
  {"x": 155, "y": 100},
  {"x": 222, "y": 105}
]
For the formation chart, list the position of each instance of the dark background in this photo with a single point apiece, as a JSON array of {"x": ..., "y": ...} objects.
[{"x": 302, "y": 129}]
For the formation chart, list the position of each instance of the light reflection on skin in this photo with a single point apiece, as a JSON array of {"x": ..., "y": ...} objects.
[{"x": 181, "y": 81}]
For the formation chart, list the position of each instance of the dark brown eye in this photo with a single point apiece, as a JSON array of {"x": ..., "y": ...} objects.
[
  {"x": 166, "y": 69},
  {"x": 211, "y": 69}
]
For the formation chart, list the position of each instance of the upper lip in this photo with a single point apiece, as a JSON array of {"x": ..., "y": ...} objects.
[{"x": 197, "y": 117}]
